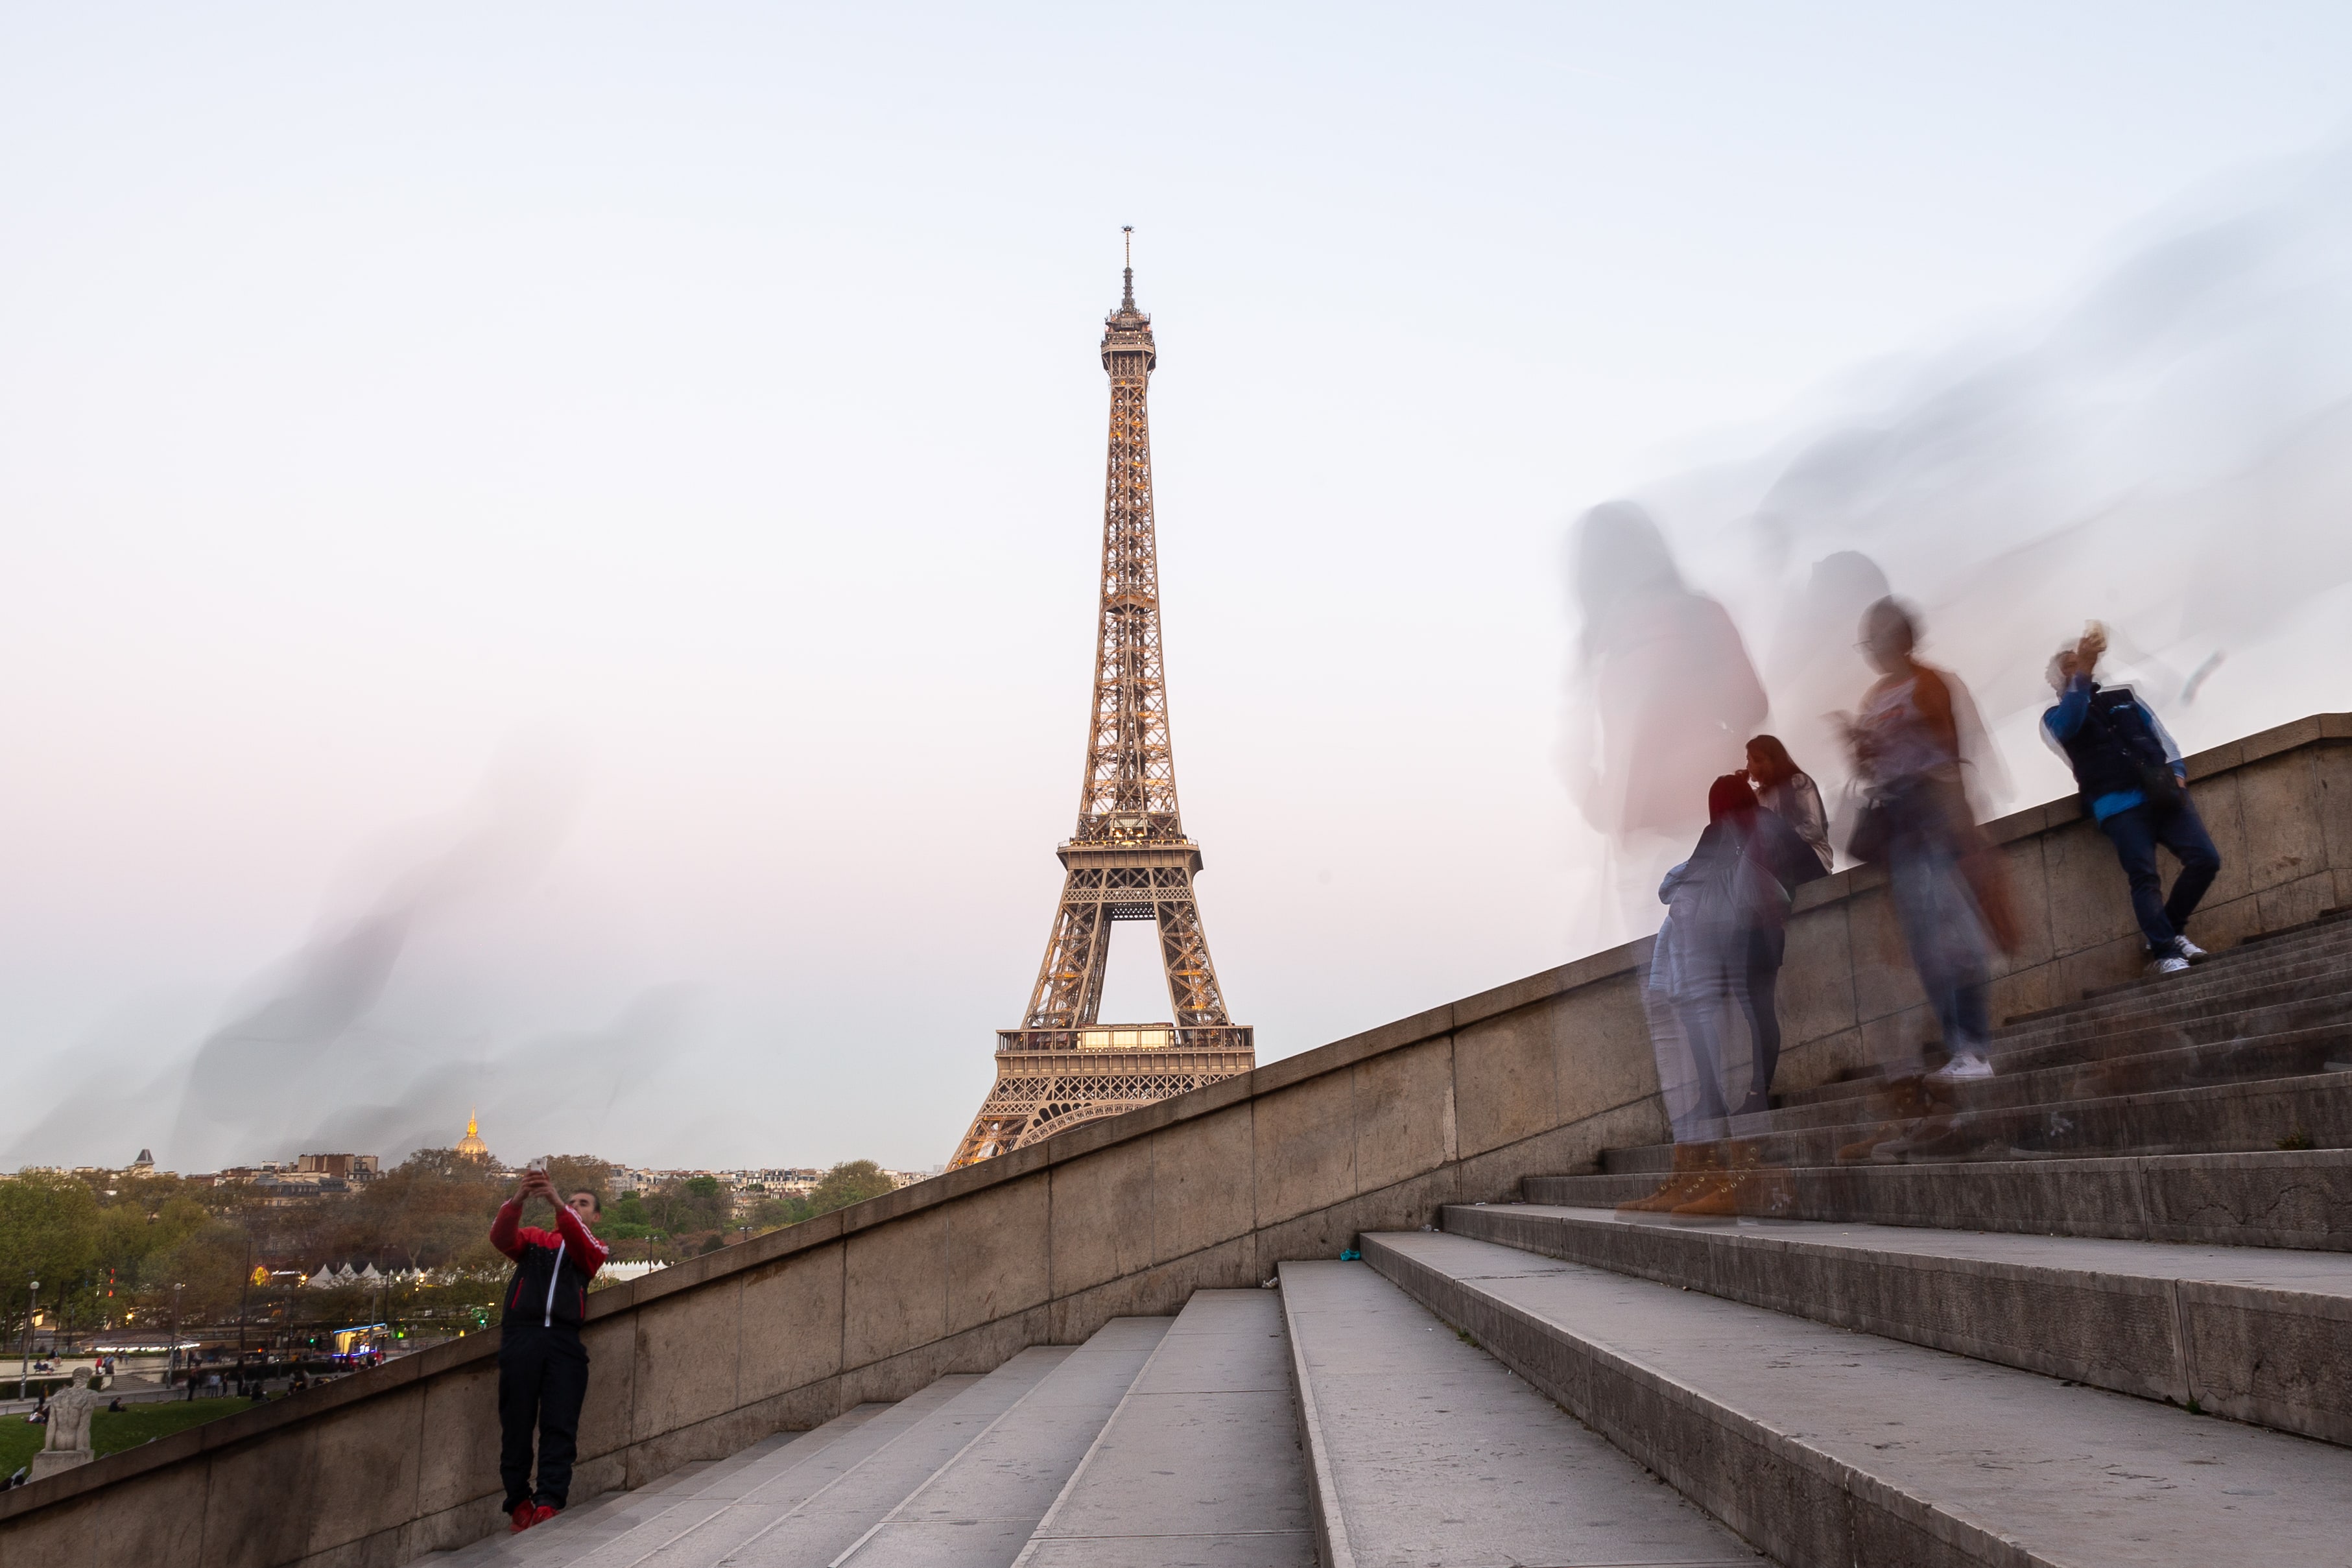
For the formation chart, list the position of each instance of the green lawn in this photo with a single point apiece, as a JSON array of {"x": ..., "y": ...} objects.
[{"x": 111, "y": 1433}]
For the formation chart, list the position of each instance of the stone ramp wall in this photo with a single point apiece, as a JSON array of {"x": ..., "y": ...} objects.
[{"x": 1131, "y": 1215}]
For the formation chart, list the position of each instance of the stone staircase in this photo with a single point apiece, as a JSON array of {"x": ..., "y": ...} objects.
[
  {"x": 2095, "y": 1310},
  {"x": 1158, "y": 1441}
]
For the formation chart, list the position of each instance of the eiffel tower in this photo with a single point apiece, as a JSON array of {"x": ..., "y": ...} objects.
[{"x": 1129, "y": 859}]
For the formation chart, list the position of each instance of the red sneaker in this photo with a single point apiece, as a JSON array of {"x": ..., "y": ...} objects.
[
  {"x": 524, "y": 1516},
  {"x": 543, "y": 1512}
]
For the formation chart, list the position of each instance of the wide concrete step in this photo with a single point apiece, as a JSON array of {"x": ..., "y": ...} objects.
[
  {"x": 809, "y": 1512},
  {"x": 588, "y": 1522},
  {"x": 2307, "y": 1110},
  {"x": 2257, "y": 955},
  {"x": 2271, "y": 1045},
  {"x": 580, "y": 1531},
  {"x": 2127, "y": 1035},
  {"x": 2323, "y": 999},
  {"x": 2224, "y": 967},
  {"x": 1422, "y": 1451},
  {"x": 1199, "y": 1464},
  {"x": 2299, "y": 1198},
  {"x": 2203, "y": 993},
  {"x": 2282, "y": 971},
  {"x": 2253, "y": 1333},
  {"x": 1824, "y": 1445},
  {"x": 2139, "y": 1066},
  {"x": 2328, "y": 928},
  {"x": 977, "y": 1509},
  {"x": 2299, "y": 929}
]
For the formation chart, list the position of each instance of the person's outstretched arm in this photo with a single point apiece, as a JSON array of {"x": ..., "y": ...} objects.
[
  {"x": 580, "y": 1241},
  {"x": 506, "y": 1231},
  {"x": 2073, "y": 706}
]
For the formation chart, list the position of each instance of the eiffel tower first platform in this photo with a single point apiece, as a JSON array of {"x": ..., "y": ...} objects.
[{"x": 1129, "y": 859}]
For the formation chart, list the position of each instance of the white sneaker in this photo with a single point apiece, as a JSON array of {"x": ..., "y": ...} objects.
[
  {"x": 2173, "y": 965},
  {"x": 1962, "y": 1069},
  {"x": 2185, "y": 948}
]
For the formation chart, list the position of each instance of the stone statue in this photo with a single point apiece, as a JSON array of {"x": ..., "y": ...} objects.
[{"x": 69, "y": 1413}]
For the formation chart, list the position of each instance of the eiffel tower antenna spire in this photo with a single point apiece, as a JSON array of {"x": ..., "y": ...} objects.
[{"x": 1129, "y": 859}]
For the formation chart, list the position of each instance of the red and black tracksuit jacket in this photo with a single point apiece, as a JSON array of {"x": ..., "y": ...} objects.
[
  {"x": 553, "y": 1268},
  {"x": 543, "y": 1366}
]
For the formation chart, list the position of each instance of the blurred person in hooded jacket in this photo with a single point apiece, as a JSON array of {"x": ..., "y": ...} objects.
[{"x": 1716, "y": 959}]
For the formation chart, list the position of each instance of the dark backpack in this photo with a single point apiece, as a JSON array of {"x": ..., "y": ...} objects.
[{"x": 2135, "y": 758}]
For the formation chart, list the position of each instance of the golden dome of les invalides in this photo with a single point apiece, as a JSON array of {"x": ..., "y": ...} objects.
[{"x": 471, "y": 1145}]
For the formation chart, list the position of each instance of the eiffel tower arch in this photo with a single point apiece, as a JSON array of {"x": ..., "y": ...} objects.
[{"x": 1129, "y": 859}]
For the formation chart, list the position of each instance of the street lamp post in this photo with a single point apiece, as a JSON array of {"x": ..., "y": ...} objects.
[
  {"x": 171, "y": 1366},
  {"x": 24, "y": 1371},
  {"x": 243, "y": 1300}
]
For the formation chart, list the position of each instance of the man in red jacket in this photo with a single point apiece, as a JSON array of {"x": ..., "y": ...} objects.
[{"x": 542, "y": 1366}]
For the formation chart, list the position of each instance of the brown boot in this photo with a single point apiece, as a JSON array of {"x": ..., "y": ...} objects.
[
  {"x": 1859, "y": 1150},
  {"x": 1695, "y": 1164},
  {"x": 1748, "y": 1187},
  {"x": 1717, "y": 1198},
  {"x": 1902, "y": 1103}
]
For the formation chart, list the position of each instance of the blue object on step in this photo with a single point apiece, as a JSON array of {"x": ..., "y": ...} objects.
[{"x": 1351, "y": 1255}]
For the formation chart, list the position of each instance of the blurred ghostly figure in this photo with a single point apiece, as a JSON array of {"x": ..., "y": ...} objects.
[
  {"x": 1664, "y": 679},
  {"x": 1814, "y": 668},
  {"x": 303, "y": 1053},
  {"x": 1912, "y": 743},
  {"x": 1719, "y": 953}
]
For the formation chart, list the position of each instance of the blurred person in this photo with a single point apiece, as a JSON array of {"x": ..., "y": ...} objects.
[
  {"x": 2135, "y": 786},
  {"x": 1812, "y": 668},
  {"x": 1720, "y": 948},
  {"x": 1946, "y": 886},
  {"x": 1785, "y": 789},
  {"x": 1665, "y": 689},
  {"x": 543, "y": 1366}
]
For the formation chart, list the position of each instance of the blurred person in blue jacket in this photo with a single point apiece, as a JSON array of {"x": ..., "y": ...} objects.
[{"x": 2135, "y": 787}]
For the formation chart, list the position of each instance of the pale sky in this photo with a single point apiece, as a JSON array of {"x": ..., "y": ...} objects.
[{"x": 683, "y": 426}]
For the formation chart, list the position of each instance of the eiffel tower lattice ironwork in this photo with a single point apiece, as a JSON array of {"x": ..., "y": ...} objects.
[{"x": 1129, "y": 859}]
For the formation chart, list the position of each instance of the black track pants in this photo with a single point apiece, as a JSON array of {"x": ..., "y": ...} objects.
[{"x": 543, "y": 1379}]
